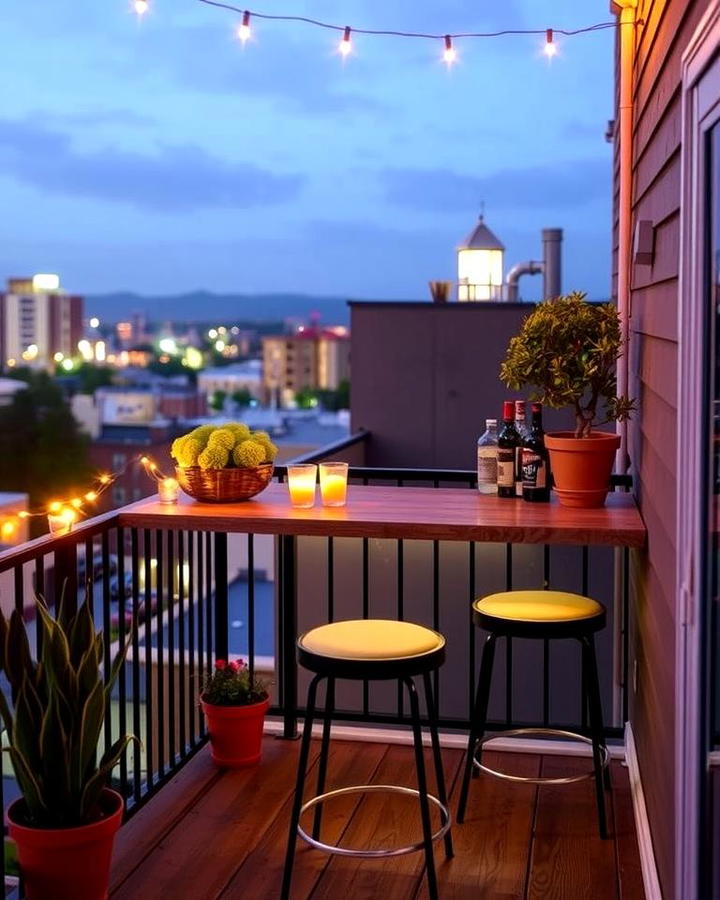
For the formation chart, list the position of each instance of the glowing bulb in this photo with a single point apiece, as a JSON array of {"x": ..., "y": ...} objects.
[
  {"x": 67, "y": 364},
  {"x": 140, "y": 7},
  {"x": 76, "y": 502},
  {"x": 23, "y": 514},
  {"x": 94, "y": 322},
  {"x": 243, "y": 31},
  {"x": 8, "y": 529},
  {"x": 54, "y": 507},
  {"x": 550, "y": 48},
  {"x": 68, "y": 515},
  {"x": 144, "y": 460},
  {"x": 59, "y": 357},
  {"x": 91, "y": 496},
  {"x": 450, "y": 53},
  {"x": 105, "y": 479},
  {"x": 345, "y": 47}
]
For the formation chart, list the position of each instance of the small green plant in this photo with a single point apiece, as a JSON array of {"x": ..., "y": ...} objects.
[
  {"x": 55, "y": 714},
  {"x": 231, "y": 445},
  {"x": 568, "y": 349},
  {"x": 230, "y": 684}
]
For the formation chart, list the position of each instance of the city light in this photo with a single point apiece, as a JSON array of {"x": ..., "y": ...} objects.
[
  {"x": 68, "y": 365},
  {"x": 59, "y": 357},
  {"x": 86, "y": 350},
  {"x": 94, "y": 322},
  {"x": 168, "y": 345},
  {"x": 8, "y": 529},
  {"x": 100, "y": 351},
  {"x": 45, "y": 282},
  {"x": 30, "y": 352},
  {"x": 213, "y": 333},
  {"x": 193, "y": 358},
  {"x": 219, "y": 346}
]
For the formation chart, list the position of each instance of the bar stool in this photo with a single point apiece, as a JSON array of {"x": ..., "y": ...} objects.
[
  {"x": 541, "y": 615},
  {"x": 372, "y": 649}
]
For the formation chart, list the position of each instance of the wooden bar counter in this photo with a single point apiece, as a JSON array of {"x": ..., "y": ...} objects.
[{"x": 446, "y": 514}]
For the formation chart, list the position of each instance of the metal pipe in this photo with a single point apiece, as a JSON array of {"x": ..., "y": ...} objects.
[
  {"x": 626, "y": 22},
  {"x": 514, "y": 275},
  {"x": 552, "y": 262}
]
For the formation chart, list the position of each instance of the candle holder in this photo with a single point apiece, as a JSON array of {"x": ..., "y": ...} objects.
[
  {"x": 301, "y": 484},
  {"x": 333, "y": 483},
  {"x": 62, "y": 522},
  {"x": 168, "y": 490}
]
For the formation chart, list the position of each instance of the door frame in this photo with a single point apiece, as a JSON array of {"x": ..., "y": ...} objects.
[{"x": 690, "y": 699}]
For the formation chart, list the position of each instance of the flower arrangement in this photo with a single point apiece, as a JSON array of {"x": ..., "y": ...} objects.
[
  {"x": 230, "y": 684},
  {"x": 228, "y": 446}
]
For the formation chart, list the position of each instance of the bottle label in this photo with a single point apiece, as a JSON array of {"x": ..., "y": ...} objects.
[
  {"x": 487, "y": 465},
  {"x": 534, "y": 470},
  {"x": 506, "y": 468}
]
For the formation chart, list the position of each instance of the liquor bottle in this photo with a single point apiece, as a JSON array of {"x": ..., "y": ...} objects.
[
  {"x": 523, "y": 431},
  {"x": 508, "y": 442},
  {"x": 535, "y": 468},
  {"x": 487, "y": 455}
]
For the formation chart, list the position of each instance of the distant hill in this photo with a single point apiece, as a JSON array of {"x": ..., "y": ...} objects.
[{"x": 204, "y": 306}]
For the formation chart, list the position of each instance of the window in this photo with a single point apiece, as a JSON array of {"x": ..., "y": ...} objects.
[
  {"x": 118, "y": 461},
  {"x": 118, "y": 495}
]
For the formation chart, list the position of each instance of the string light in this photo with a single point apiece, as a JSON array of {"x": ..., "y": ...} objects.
[
  {"x": 140, "y": 7},
  {"x": 450, "y": 53},
  {"x": 345, "y": 47},
  {"x": 243, "y": 31},
  {"x": 550, "y": 48}
]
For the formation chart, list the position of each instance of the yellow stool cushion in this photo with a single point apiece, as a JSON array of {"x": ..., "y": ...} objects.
[
  {"x": 371, "y": 639},
  {"x": 539, "y": 606}
]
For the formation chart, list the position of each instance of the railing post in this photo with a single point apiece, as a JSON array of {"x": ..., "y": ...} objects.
[
  {"x": 288, "y": 618},
  {"x": 222, "y": 641},
  {"x": 65, "y": 576}
]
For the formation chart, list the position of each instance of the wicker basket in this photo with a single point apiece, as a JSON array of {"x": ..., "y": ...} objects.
[{"x": 224, "y": 485}]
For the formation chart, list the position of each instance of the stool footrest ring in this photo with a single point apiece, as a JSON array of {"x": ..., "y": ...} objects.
[
  {"x": 550, "y": 732},
  {"x": 369, "y": 789}
]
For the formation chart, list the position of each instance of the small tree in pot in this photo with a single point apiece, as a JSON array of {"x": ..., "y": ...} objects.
[
  {"x": 567, "y": 350},
  {"x": 65, "y": 822}
]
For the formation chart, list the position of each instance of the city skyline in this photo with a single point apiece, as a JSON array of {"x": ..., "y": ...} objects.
[{"x": 160, "y": 156}]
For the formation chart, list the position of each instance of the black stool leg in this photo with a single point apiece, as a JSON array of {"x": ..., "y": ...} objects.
[
  {"x": 422, "y": 788},
  {"x": 437, "y": 758},
  {"x": 596, "y": 725},
  {"x": 479, "y": 717},
  {"x": 299, "y": 785},
  {"x": 324, "y": 753}
]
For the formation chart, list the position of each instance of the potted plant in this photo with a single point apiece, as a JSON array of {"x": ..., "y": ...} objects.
[
  {"x": 65, "y": 822},
  {"x": 223, "y": 463},
  {"x": 234, "y": 705},
  {"x": 568, "y": 349}
]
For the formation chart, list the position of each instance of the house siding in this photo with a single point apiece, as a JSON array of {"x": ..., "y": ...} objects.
[{"x": 665, "y": 28}]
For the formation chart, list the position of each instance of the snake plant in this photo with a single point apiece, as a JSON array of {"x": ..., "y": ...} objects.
[{"x": 54, "y": 716}]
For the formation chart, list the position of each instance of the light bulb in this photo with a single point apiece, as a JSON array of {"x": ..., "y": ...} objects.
[
  {"x": 243, "y": 31},
  {"x": 450, "y": 53},
  {"x": 345, "y": 47},
  {"x": 140, "y": 7},
  {"x": 550, "y": 48}
]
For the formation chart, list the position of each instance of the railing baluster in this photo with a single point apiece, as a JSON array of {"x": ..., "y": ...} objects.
[
  {"x": 136, "y": 699},
  {"x": 182, "y": 712},
  {"x": 106, "y": 615},
  {"x": 162, "y": 724},
  {"x": 251, "y": 604},
  {"x": 149, "y": 723},
  {"x": 200, "y": 623},
  {"x": 209, "y": 636},
  {"x": 330, "y": 580},
  {"x": 583, "y": 683},
  {"x": 400, "y": 612},
  {"x": 122, "y": 638},
  {"x": 222, "y": 641},
  {"x": 471, "y": 631},
  {"x": 365, "y": 614},
  {"x": 193, "y": 687},
  {"x": 546, "y": 644}
]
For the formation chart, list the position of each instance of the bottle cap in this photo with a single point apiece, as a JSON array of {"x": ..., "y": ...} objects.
[
  {"x": 537, "y": 407},
  {"x": 508, "y": 410}
]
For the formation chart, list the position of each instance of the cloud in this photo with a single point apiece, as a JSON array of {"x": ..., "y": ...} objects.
[
  {"x": 556, "y": 185},
  {"x": 176, "y": 178}
]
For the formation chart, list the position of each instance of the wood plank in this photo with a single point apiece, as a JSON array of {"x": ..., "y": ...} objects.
[
  {"x": 220, "y": 829},
  {"x": 492, "y": 846},
  {"x": 627, "y": 854},
  {"x": 413, "y": 513},
  {"x": 386, "y": 820},
  {"x": 141, "y": 834},
  {"x": 261, "y": 873},
  {"x": 569, "y": 859}
]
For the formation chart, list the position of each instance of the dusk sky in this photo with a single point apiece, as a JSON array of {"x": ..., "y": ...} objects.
[{"x": 160, "y": 156}]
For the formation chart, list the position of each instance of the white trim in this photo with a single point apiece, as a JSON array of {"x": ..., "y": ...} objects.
[
  {"x": 698, "y": 54},
  {"x": 651, "y": 881},
  {"x": 451, "y": 741}
]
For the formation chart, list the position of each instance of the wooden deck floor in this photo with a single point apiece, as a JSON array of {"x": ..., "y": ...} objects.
[{"x": 212, "y": 834}]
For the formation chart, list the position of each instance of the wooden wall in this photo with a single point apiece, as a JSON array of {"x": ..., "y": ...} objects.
[{"x": 665, "y": 29}]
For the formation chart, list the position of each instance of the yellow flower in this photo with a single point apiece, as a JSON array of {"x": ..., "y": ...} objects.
[
  {"x": 213, "y": 458},
  {"x": 249, "y": 453}
]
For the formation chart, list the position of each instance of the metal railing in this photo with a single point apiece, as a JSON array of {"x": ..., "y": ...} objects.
[{"x": 187, "y": 597}]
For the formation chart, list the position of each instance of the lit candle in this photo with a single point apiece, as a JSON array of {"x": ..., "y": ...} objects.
[
  {"x": 62, "y": 522},
  {"x": 333, "y": 483},
  {"x": 168, "y": 490},
  {"x": 301, "y": 484}
]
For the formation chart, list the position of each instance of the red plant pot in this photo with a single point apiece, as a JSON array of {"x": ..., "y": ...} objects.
[
  {"x": 581, "y": 467},
  {"x": 236, "y": 733},
  {"x": 67, "y": 863}
]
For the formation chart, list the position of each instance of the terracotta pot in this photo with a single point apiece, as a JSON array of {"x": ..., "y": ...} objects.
[
  {"x": 236, "y": 733},
  {"x": 67, "y": 863},
  {"x": 581, "y": 467}
]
